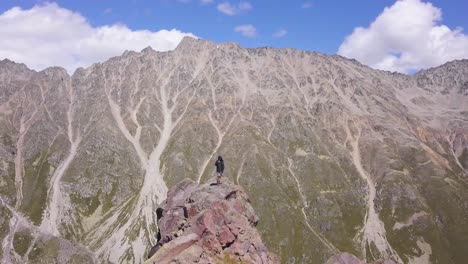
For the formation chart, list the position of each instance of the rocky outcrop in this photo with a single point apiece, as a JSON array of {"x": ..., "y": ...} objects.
[{"x": 208, "y": 223}]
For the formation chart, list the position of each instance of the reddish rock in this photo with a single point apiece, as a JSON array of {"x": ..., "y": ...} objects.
[
  {"x": 238, "y": 207},
  {"x": 235, "y": 230},
  {"x": 193, "y": 211},
  {"x": 239, "y": 248},
  {"x": 225, "y": 237},
  {"x": 207, "y": 224}
]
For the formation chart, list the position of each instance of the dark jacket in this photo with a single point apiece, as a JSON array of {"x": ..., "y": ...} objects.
[{"x": 219, "y": 165}]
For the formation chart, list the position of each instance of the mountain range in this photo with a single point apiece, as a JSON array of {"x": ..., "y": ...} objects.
[{"x": 335, "y": 156}]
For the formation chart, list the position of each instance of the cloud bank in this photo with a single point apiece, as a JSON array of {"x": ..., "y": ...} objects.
[
  {"x": 48, "y": 35},
  {"x": 246, "y": 30},
  {"x": 234, "y": 9},
  {"x": 406, "y": 37},
  {"x": 280, "y": 33}
]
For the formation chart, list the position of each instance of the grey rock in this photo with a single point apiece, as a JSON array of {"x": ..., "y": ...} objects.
[{"x": 318, "y": 142}]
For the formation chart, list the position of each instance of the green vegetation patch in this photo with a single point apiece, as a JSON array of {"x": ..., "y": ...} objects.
[
  {"x": 45, "y": 251},
  {"x": 7, "y": 182},
  {"x": 229, "y": 259},
  {"x": 86, "y": 205},
  {"x": 35, "y": 186},
  {"x": 352, "y": 219},
  {"x": 79, "y": 259},
  {"x": 107, "y": 202},
  {"x": 463, "y": 159},
  {"x": 5, "y": 216},
  {"x": 21, "y": 242},
  {"x": 449, "y": 206}
]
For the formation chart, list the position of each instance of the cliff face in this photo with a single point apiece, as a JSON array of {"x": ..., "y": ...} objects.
[
  {"x": 339, "y": 157},
  {"x": 208, "y": 223}
]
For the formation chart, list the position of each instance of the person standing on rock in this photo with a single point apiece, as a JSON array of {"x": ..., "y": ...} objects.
[{"x": 219, "y": 169}]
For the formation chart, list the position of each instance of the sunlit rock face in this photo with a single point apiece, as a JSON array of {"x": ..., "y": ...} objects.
[
  {"x": 335, "y": 156},
  {"x": 208, "y": 223}
]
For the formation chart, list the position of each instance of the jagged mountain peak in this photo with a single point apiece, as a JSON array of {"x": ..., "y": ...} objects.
[
  {"x": 189, "y": 43},
  {"x": 452, "y": 77},
  {"x": 462, "y": 63},
  {"x": 7, "y": 65},
  {"x": 6, "y": 62},
  {"x": 334, "y": 156}
]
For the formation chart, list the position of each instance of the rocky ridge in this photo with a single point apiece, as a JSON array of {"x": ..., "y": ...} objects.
[
  {"x": 208, "y": 223},
  {"x": 364, "y": 161}
]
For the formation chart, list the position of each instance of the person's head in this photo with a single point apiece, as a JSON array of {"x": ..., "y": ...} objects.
[{"x": 220, "y": 158}]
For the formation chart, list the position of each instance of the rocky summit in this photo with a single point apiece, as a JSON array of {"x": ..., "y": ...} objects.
[
  {"x": 208, "y": 223},
  {"x": 335, "y": 156}
]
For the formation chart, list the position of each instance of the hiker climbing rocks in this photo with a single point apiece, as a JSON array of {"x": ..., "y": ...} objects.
[{"x": 219, "y": 169}]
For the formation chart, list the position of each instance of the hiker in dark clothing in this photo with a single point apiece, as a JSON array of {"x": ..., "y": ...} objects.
[{"x": 219, "y": 169}]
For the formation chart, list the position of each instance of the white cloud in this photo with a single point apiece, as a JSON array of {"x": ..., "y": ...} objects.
[
  {"x": 246, "y": 30},
  {"x": 307, "y": 5},
  {"x": 280, "y": 33},
  {"x": 203, "y": 2},
  {"x": 234, "y": 9},
  {"x": 406, "y": 37},
  {"x": 206, "y": 2},
  {"x": 48, "y": 35},
  {"x": 227, "y": 8},
  {"x": 244, "y": 6}
]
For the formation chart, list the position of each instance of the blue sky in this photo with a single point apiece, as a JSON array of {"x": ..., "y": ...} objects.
[{"x": 315, "y": 25}]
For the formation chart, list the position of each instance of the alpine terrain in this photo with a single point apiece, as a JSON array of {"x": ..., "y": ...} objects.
[
  {"x": 335, "y": 156},
  {"x": 208, "y": 223}
]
